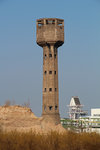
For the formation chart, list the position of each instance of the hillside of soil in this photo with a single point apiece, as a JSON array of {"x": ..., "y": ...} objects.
[{"x": 23, "y": 119}]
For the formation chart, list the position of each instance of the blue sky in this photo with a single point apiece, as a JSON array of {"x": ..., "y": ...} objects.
[{"x": 21, "y": 57}]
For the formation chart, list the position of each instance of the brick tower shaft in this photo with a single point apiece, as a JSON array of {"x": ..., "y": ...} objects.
[
  {"x": 50, "y": 104},
  {"x": 50, "y": 35}
]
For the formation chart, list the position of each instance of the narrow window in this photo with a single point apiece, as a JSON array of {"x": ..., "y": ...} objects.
[
  {"x": 45, "y": 89},
  {"x": 55, "y": 72},
  {"x": 60, "y": 24},
  {"x": 45, "y": 72},
  {"x": 50, "y": 21},
  {"x": 55, "y": 89},
  {"x": 53, "y": 21},
  {"x": 46, "y": 21},
  {"x": 50, "y": 55},
  {"x": 50, "y": 89},
  {"x": 56, "y": 107},
  {"x": 50, "y": 72},
  {"x": 40, "y": 24},
  {"x": 55, "y": 55},
  {"x": 50, "y": 107},
  {"x": 45, "y": 56}
]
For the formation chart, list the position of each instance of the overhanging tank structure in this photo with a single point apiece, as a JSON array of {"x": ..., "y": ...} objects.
[{"x": 50, "y": 36}]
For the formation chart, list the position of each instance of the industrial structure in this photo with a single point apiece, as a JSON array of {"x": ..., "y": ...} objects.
[
  {"x": 84, "y": 124},
  {"x": 50, "y": 36},
  {"x": 75, "y": 108},
  {"x": 91, "y": 123}
]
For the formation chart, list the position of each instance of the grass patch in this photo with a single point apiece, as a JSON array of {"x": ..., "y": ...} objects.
[{"x": 50, "y": 141}]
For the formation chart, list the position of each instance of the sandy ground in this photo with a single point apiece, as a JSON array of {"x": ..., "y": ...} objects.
[{"x": 23, "y": 119}]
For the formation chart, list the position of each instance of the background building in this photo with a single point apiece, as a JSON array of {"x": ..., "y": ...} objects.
[
  {"x": 91, "y": 123},
  {"x": 95, "y": 112},
  {"x": 75, "y": 108}
]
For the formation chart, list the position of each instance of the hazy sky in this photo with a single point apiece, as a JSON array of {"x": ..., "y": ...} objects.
[{"x": 21, "y": 58}]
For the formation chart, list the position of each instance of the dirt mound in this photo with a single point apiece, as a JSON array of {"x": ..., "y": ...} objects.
[
  {"x": 23, "y": 119},
  {"x": 15, "y": 111}
]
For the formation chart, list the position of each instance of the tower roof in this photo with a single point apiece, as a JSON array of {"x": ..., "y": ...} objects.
[
  {"x": 74, "y": 101},
  {"x": 77, "y": 101}
]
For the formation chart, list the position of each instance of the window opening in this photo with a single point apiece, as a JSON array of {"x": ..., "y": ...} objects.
[
  {"x": 45, "y": 72},
  {"x": 55, "y": 55},
  {"x": 55, "y": 72},
  {"x": 45, "y": 90},
  {"x": 56, "y": 107},
  {"x": 50, "y": 89},
  {"x": 55, "y": 89},
  {"x": 59, "y": 24},
  {"x": 40, "y": 24},
  {"x": 46, "y": 21},
  {"x": 53, "y": 21},
  {"x": 50, "y": 21},
  {"x": 50, "y": 55},
  {"x": 50, "y": 72},
  {"x": 45, "y": 56},
  {"x": 50, "y": 107}
]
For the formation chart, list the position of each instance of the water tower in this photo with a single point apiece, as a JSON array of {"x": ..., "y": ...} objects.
[{"x": 50, "y": 36}]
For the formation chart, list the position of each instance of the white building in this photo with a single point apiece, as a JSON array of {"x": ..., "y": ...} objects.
[
  {"x": 95, "y": 112},
  {"x": 75, "y": 108},
  {"x": 91, "y": 123}
]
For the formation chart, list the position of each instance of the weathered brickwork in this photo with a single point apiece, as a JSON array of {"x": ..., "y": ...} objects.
[{"x": 50, "y": 35}]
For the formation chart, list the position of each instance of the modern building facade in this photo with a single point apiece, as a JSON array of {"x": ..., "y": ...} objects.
[
  {"x": 95, "y": 112},
  {"x": 50, "y": 36},
  {"x": 91, "y": 123}
]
